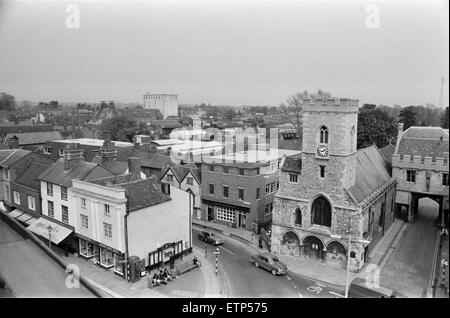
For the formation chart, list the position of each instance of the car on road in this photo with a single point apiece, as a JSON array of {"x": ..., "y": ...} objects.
[
  {"x": 210, "y": 238},
  {"x": 269, "y": 262}
]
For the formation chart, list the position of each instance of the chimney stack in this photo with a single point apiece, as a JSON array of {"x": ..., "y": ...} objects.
[
  {"x": 13, "y": 142},
  {"x": 134, "y": 167},
  {"x": 72, "y": 155},
  {"x": 400, "y": 129},
  {"x": 107, "y": 139}
]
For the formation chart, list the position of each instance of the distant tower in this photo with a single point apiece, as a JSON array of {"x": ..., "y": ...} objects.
[{"x": 167, "y": 104}]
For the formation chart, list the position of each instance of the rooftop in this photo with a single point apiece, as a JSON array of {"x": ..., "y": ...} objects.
[
  {"x": 255, "y": 156},
  {"x": 37, "y": 137},
  {"x": 425, "y": 142},
  {"x": 93, "y": 142},
  {"x": 9, "y": 156}
]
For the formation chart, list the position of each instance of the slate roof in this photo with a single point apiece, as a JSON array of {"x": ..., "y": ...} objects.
[
  {"x": 140, "y": 193},
  {"x": 9, "y": 156},
  {"x": 424, "y": 142},
  {"x": 292, "y": 164},
  {"x": 37, "y": 137},
  {"x": 387, "y": 152},
  {"x": 180, "y": 171},
  {"x": 166, "y": 123},
  {"x": 8, "y": 129},
  {"x": 147, "y": 158},
  {"x": 82, "y": 170},
  {"x": 292, "y": 144},
  {"x": 372, "y": 172},
  {"x": 29, "y": 177},
  {"x": 114, "y": 166}
]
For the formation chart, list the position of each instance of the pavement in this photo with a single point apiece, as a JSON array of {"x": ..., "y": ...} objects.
[
  {"x": 442, "y": 279},
  {"x": 29, "y": 271}
]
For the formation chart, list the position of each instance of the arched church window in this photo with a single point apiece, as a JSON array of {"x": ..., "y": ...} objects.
[
  {"x": 321, "y": 212},
  {"x": 323, "y": 135},
  {"x": 298, "y": 217}
]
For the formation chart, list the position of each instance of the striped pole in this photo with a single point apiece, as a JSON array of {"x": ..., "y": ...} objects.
[
  {"x": 443, "y": 274},
  {"x": 216, "y": 253}
]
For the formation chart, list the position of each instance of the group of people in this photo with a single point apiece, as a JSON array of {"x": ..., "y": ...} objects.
[{"x": 162, "y": 278}]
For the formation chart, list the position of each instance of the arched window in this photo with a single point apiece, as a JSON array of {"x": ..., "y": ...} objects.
[
  {"x": 321, "y": 212},
  {"x": 323, "y": 135},
  {"x": 298, "y": 217}
]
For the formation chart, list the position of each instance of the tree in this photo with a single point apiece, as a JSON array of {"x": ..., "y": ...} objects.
[
  {"x": 7, "y": 102},
  {"x": 368, "y": 107},
  {"x": 444, "y": 119},
  {"x": 121, "y": 128},
  {"x": 375, "y": 126},
  {"x": 408, "y": 117}
]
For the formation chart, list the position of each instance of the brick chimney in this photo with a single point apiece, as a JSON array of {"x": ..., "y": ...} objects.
[
  {"x": 13, "y": 142},
  {"x": 134, "y": 167},
  {"x": 72, "y": 155}
]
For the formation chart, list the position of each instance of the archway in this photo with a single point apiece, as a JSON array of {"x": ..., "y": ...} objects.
[
  {"x": 321, "y": 212},
  {"x": 313, "y": 247},
  {"x": 426, "y": 210},
  {"x": 336, "y": 254},
  {"x": 298, "y": 217},
  {"x": 290, "y": 245}
]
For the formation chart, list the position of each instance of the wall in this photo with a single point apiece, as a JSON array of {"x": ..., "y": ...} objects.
[
  {"x": 24, "y": 193},
  {"x": 57, "y": 203}
]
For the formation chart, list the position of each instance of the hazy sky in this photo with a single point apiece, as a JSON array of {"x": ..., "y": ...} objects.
[{"x": 225, "y": 52}]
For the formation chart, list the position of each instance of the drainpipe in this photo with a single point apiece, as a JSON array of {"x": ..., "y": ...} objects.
[
  {"x": 126, "y": 240},
  {"x": 190, "y": 219}
]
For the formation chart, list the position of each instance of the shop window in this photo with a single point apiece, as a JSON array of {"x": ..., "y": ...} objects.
[
  {"x": 106, "y": 258},
  {"x": 119, "y": 267},
  {"x": 86, "y": 248},
  {"x": 226, "y": 214}
]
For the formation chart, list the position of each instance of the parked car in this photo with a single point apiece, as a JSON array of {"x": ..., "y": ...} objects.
[
  {"x": 210, "y": 238},
  {"x": 269, "y": 262},
  {"x": 359, "y": 289}
]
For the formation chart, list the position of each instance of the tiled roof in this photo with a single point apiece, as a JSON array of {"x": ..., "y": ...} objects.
[
  {"x": 8, "y": 129},
  {"x": 30, "y": 174},
  {"x": 9, "y": 156},
  {"x": 166, "y": 123},
  {"x": 424, "y": 142},
  {"x": 387, "y": 152},
  {"x": 114, "y": 166},
  {"x": 372, "y": 171},
  {"x": 38, "y": 137},
  {"x": 292, "y": 164},
  {"x": 147, "y": 158},
  {"x": 180, "y": 171},
  {"x": 81, "y": 170},
  {"x": 293, "y": 144}
]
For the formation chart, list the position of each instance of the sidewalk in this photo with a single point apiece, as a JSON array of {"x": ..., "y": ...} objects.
[
  {"x": 441, "y": 291},
  {"x": 200, "y": 282}
]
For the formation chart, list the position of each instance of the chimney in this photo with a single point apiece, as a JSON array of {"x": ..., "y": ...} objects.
[
  {"x": 72, "y": 155},
  {"x": 136, "y": 145},
  {"x": 13, "y": 142},
  {"x": 107, "y": 139},
  {"x": 400, "y": 129},
  {"x": 103, "y": 104},
  {"x": 134, "y": 167},
  {"x": 111, "y": 105}
]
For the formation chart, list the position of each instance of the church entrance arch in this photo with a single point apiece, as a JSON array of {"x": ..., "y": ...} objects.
[
  {"x": 336, "y": 254},
  {"x": 313, "y": 247},
  {"x": 290, "y": 245}
]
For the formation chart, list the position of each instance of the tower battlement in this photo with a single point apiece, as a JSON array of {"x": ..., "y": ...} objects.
[{"x": 330, "y": 104}]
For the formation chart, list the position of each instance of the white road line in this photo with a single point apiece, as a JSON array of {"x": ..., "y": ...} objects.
[
  {"x": 399, "y": 236},
  {"x": 386, "y": 259},
  {"x": 433, "y": 267},
  {"x": 336, "y": 294},
  {"x": 227, "y": 250},
  {"x": 391, "y": 249}
]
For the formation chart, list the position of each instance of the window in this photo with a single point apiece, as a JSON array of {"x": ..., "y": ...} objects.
[
  {"x": 31, "y": 203},
  {"x": 267, "y": 188},
  {"x": 241, "y": 171},
  {"x": 106, "y": 258},
  {"x": 86, "y": 248},
  {"x": 49, "y": 189},
  {"x": 211, "y": 168},
  {"x": 190, "y": 180},
  {"x": 51, "y": 211},
  {"x": 6, "y": 173},
  {"x": 211, "y": 188},
  {"x": 321, "y": 212},
  {"x": 258, "y": 193},
  {"x": 323, "y": 135},
  {"x": 61, "y": 152},
  {"x": 169, "y": 177},
  {"x": 16, "y": 197},
  {"x": 225, "y": 191},
  {"x": 268, "y": 209},
  {"x": 65, "y": 214},
  {"x": 107, "y": 210},
  {"x": 411, "y": 176},
  {"x": 64, "y": 193},
  {"x": 293, "y": 178},
  {"x": 240, "y": 194},
  {"x": 298, "y": 217},
  {"x": 107, "y": 230},
  {"x": 445, "y": 180},
  {"x": 8, "y": 193},
  {"x": 278, "y": 185},
  {"x": 83, "y": 203},
  {"x": 84, "y": 221},
  {"x": 322, "y": 171},
  {"x": 257, "y": 171},
  {"x": 47, "y": 150},
  {"x": 225, "y": 170},
  {"x": 226, "y": 214}
]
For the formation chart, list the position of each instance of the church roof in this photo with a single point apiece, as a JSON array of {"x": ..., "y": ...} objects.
[{"x": 372, "y": 172}]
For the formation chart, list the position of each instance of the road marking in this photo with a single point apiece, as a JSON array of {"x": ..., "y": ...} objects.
[
  {"x": 433, "y": 267},
  {"x": 336, "y": 294},
  {"x": 393, "y": 246},
  {"x": 399, "y": 236},
  {"x": 184, "y": 293},
  {"x": 227, "y": 250}
]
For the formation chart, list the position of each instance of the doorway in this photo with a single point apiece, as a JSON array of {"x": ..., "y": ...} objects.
[{"x": 210, "y": 213}]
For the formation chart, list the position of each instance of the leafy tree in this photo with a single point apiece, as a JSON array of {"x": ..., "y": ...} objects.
[
  {"x": 444, "y": 119},
  {"x": 375, "y": 126},
  {"x": 407, "y": 116},
  {"x": 7, "y": 102},
  {"x": 122, "y": 128},
  {"x": 368, "y": 107}
]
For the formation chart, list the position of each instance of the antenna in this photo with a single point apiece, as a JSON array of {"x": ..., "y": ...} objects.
[{"x": 442, "y": 91}]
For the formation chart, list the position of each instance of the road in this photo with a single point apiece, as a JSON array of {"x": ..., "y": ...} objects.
[{"x": 246, "y": 280}]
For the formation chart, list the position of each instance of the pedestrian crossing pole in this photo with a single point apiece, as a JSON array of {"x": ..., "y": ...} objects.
[
  {"x": 216, "y": 253},
  {"x": 444, "y": 264}
]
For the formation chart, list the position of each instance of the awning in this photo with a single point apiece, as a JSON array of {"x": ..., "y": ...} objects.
[
  {"x": 21, "y": 216},
  {"x": 16, "y": 213},
  {"x": 24, "y": 217},
  {"x": 31, "y": 220},
  {"x": 57, "y": 233}
]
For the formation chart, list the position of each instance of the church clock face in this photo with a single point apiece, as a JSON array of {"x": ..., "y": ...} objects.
[{"x": 322, "y": 151}]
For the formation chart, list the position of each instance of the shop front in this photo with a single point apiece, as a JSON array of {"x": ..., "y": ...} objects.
[{"x": 168, "y": 253}]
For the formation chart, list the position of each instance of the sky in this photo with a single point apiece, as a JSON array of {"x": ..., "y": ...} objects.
[{"x": 225, "y": 52}]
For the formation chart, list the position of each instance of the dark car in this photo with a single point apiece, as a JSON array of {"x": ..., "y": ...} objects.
[
  {"x": 359, "y": 289},
  {"x": 269, "y": 262},
  {"x": 210, "y": 238}
]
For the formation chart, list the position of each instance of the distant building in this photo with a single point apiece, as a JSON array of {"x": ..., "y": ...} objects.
[
  {"x": 420, "y": 165},
  {"x": 167, "y": 104},
  {"x": 32, "y": 140}
]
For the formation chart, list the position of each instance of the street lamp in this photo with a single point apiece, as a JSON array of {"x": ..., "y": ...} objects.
[
  {"x": 49, "y": 228},
  {"x": 348, "y": 258}
]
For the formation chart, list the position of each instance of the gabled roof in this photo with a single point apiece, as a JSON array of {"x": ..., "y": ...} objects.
[
  {"x": 292, "y": 164},
  {"x": 181, "y": 171},
  {"x": 9, "y": 156},
  {"x": 37, "y": 137},
  {"x": 81, "y": 170},
  {"x": 425, "y": 142},
  {"x": 387, "y": 152},
  {"x": 29, "y": 177},
  {"x": 372, "y": 172},
  {"x": 114, "y": 166}
]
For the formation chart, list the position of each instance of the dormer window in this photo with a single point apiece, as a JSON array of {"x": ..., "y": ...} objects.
[{"x": 323, "y": 135}]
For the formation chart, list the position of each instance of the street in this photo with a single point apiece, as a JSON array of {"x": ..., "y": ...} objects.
[{"x": 246, "y": 280}]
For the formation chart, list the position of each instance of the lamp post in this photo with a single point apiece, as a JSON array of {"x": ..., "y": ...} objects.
[
  {"x": 348, "y": 258},
  {"x": 49, "y": 228}
]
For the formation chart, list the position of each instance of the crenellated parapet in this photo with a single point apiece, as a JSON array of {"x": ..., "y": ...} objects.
[
  {"x": 421, "y": 163},
  {"x": 330, "y": 105}
]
